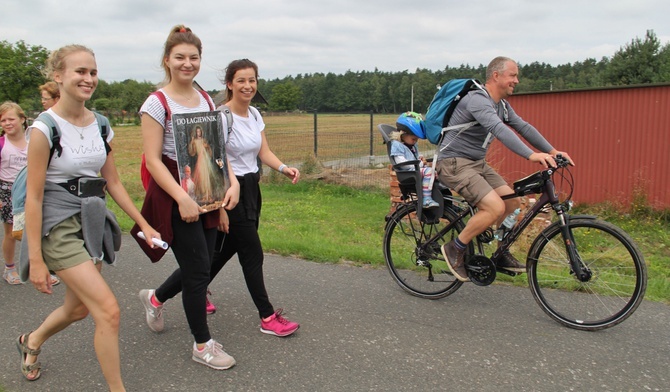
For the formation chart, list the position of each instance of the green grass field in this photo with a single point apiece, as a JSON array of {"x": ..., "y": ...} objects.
[{"x": 333, "y": 223}]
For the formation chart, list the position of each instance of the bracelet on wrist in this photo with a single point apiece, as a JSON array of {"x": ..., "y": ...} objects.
[{"x": 281, "y": 168}]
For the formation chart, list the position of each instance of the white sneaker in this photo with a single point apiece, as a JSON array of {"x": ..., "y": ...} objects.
[
  {"x": 154, "y": 314},
  {"x": 213, "y": 356}
]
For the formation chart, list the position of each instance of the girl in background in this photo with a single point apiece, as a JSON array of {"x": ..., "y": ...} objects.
[{"x": 12, "y": 160}]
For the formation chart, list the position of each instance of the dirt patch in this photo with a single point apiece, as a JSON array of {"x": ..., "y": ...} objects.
[{"x": 354, "y": 177}]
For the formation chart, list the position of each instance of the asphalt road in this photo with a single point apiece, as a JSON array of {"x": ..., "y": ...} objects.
[{"x": 359, "y": 332}]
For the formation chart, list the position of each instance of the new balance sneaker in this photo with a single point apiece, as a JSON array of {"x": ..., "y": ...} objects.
[
  {"x": 509, "y": 262},
  {"x": 212, "y": 355},
  {"x": 455, "y": 261},
  {"x": 211, "y": 308},
  {"x": 154, "y": 314},
  {"x": 278, "y": 325}
]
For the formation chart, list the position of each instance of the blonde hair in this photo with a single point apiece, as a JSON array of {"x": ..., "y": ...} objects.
[
  {"x": 396, "y": 135},
  {"x": 179, "y": 34},
  {"x": 56, "y": 60},
  {"x": 9, "y": 105}
]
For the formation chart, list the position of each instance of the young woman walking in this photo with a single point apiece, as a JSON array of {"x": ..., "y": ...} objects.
[
  {"x": 246, "y": 143},
  {"x": 81, "y": 231},
  {"x": 191, "y": 230}
]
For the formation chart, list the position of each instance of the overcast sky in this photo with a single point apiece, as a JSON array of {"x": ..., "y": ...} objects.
[{"x": 287, "y": 37}]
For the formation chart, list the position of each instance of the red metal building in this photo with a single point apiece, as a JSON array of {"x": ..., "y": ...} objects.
[{"x": 618, "y": 138}]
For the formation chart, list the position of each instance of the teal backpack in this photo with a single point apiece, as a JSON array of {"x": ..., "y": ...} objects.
[
  {"x": 19, "y": 186},
  {"x": 442, "y": 107}
]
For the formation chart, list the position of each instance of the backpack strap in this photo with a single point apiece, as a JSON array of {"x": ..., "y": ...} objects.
[
  {"x": 103, "y": 125},
  {"x": 229, "y": 119},
  {"x": 253, "y": 111},
  {"x": 161, "y": 98},
  {"x": 49, "y": 121},
  {"x": 207, "y": 98}
]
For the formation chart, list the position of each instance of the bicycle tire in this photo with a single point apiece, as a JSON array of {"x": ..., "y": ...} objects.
[
  {"x": 403, "y": 239},
  {"x": 617, "y": 284}
]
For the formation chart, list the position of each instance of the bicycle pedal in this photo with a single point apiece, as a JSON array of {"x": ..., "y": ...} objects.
[{"x": 507, "y": 272}]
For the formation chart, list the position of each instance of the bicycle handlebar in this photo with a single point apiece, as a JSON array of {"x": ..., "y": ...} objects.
[{"x": 561, "y": 161}]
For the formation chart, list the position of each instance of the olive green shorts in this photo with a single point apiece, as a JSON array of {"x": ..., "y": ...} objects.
[
  {"x": 64, "y": 247},
  {"x": 471, "y": 179}
]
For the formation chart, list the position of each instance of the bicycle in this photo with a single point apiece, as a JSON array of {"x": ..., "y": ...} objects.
[{"x": 585, "y": 273}]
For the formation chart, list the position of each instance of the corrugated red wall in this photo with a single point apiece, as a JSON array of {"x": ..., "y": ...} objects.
[{"x": 618, "y": 138}]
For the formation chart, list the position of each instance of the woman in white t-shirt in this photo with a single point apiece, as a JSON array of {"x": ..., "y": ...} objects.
[
  {"x": 247, "y": 144},
  {"x": 65, "y": 199}
]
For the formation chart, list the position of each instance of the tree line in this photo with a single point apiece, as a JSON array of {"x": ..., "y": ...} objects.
[{"x": 641, "y": 61}]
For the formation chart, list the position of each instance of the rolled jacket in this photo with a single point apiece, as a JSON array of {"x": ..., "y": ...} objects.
[{"x": 100, "y": 229}]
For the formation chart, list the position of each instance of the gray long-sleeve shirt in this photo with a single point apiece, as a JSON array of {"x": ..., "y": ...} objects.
[{"x": 474, "y": 142}]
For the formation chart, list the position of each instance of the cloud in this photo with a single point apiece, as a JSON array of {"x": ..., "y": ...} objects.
[{"x": 299, "y": 37}]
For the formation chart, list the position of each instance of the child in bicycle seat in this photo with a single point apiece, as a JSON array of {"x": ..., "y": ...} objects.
[{"x": 410, "y": 128}]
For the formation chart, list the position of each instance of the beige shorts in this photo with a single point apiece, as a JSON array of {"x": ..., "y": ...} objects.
[
  {"x": 64, "y": 247},
  {"x": 471, "y": 179}
]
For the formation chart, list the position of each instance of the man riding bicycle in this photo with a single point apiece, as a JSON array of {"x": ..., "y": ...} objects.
[{"x": 462, "y": 166}]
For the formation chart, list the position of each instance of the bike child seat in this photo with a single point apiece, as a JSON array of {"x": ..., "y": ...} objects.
[{"x": 409, "y": 181}]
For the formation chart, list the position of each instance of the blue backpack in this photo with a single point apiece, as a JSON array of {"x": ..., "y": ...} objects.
[
  {"x": 442, "y": 107},
  {"x": 19, "y": 186}
]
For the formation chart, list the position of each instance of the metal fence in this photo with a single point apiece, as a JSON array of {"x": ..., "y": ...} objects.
[{"x": 341, "y": 148}]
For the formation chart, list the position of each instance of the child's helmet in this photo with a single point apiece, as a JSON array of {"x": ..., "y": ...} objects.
[{"x": 411, "y": 122}]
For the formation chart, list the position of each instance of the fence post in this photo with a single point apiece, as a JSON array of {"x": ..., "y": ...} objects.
[
  {"x": 372, "y": 151},
  {"x": 316, "y": 144}
]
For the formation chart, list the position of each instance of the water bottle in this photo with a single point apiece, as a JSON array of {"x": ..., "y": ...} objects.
[{"x": 507, "y": 224}]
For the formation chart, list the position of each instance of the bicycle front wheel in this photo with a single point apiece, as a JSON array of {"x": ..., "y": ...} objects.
[
  {"x": 418, "y": 268},
  {"x": 612, "y": 293}
]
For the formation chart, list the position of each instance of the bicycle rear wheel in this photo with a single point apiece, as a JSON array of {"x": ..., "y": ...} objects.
[
  {"x": 615, "y": 288},
  {"x": 419, "y": 269}
]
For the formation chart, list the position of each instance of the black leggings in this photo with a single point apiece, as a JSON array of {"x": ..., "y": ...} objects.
[
  {"x": 243, "y": 239},
  {"x": 192, "y": 246}
]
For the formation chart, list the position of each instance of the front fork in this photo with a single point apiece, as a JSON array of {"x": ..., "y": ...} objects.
[{"x": 582, "y": 271}]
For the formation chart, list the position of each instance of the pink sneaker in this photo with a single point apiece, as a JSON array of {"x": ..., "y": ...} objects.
[
  {"x": 211, "y": 308},
  {"x": 278, "y": 325}
]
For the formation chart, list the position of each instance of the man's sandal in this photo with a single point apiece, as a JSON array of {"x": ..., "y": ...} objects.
[{"x": 24, "y": 350}]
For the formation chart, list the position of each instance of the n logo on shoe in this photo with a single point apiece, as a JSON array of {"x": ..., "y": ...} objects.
[{"x": 207, "y": 357}]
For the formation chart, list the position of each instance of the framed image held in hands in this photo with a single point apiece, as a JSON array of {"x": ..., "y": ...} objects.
[{"x": 201, "y": 157}]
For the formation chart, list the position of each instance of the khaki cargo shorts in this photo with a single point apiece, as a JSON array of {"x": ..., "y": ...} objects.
[{"x": 471, "y": 179}]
